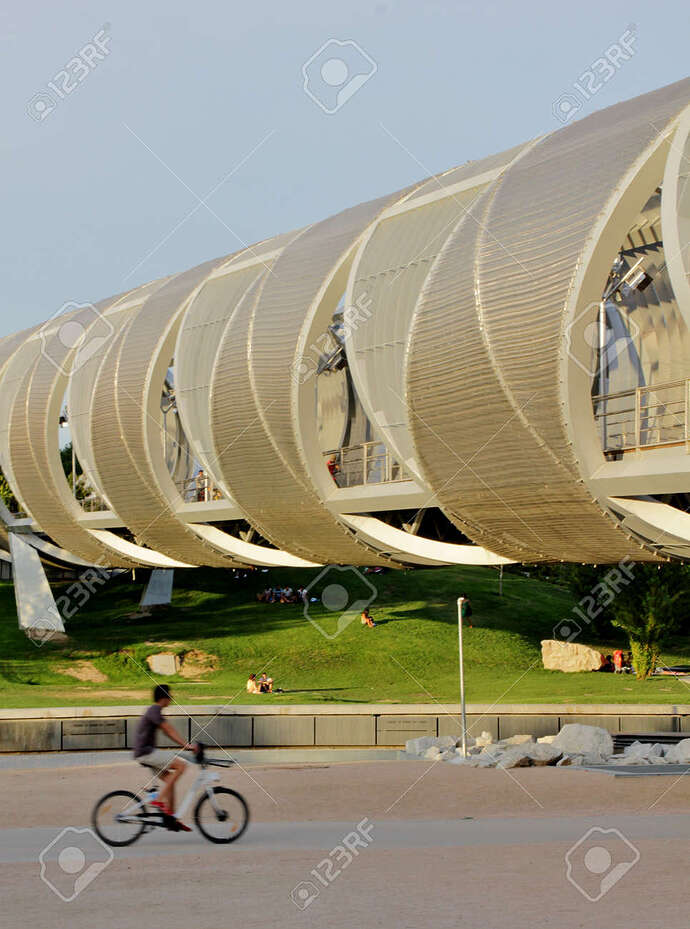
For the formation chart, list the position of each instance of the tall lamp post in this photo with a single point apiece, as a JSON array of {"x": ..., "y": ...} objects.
[{"x": 463, "y": 709}]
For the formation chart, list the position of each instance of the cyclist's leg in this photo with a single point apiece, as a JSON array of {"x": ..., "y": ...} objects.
[{"x": 170, "y": 777}]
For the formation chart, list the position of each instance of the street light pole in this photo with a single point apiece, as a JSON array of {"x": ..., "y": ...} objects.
[{"x": 463, "y": 710}]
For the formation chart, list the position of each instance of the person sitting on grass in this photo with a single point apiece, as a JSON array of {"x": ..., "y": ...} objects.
[
  {"x": 265, "y": 684},
  {"x": 146, "y": 753},
  {"x": 366, "y": 618},
  {"x": 252, "y": 686}
]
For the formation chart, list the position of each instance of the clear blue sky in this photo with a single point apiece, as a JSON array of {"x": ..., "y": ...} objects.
[{"x": 215, "y": 88}]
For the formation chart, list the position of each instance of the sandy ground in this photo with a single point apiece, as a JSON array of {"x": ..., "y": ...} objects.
[{"x": 415, "y": 879}]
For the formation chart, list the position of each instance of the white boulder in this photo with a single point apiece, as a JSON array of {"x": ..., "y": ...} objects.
[
  {"x": 420, "y": 745},
  {"x": 527, "y": 754},
  {"x": 518, "y": 739},
  {"x": 541, "y": 753},
  {"x": 576, "y": 739},
  {"x": 569, "y": 656},
  {"x": 484, "y": 739},
  {"x": 679, "y": 753},
  {"x": 515, "y": 757},
  {"x": 642, "y": 753}
]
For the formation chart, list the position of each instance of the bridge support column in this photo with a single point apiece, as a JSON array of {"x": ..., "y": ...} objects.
[
  {"x": 36, "y": 610},
  {"x": 158, "y": 591}
]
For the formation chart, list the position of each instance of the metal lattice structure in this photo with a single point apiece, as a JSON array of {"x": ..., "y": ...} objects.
[{"x": 430, "y": 350}]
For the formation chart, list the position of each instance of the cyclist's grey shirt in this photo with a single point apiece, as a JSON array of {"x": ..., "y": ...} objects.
[{"x": 145, "y": 735}]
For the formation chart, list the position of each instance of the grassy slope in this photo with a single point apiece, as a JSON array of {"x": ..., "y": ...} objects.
[{"x": 410, "y": 657}]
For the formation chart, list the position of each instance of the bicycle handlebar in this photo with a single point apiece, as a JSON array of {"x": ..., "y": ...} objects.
[{"x": 201, "y": 759}]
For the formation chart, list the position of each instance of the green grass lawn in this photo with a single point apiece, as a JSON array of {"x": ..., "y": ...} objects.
[{"x": 411, "y": 657}]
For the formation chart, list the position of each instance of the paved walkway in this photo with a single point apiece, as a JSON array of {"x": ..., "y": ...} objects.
[
  {"x": 449, "y": 847},
  {"x": 18, "y": 845}
]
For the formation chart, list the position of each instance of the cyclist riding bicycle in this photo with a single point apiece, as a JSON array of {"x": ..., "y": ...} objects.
[{"x": 148, "y": 754}]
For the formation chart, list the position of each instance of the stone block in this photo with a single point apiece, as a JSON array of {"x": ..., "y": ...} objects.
[
  {"x": 527, "y": 725},
  {"x": 345, "y": 730},
  {"x": 569, "y": 656},
  {"x": 283, "y": 730},
  {"x": 165, "y": 664},
  {"x": 396, "y": 730},
  {"x": 649, "y": 724},
  {"x": 93, "y": 733},
  {"x": 451, "y": 725},
  {"x": 227, "y": 731},
  {"x": 30, "y": 735}
]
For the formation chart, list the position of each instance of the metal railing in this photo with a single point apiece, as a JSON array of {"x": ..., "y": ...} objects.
[
  {"x": 92, "y": 503},
  {"x": 199, "y": 490},
  {"x": 645, "y": 417},
  {"x": 369, "y": 463}
]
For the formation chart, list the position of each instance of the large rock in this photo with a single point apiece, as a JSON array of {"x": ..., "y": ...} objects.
[
  {"x": 527, "y": 754},
  {"x": 679, "y": 753},
  {"x": 422, "y": 744},
  {"x": 569, "y": 656},
  {"x": 164, "y": 663},
  {"x": 519, "y": 739},
  {"x": 543, "y": 753},
  {"x": 517, "y": 756},
  {"x": 484, "y": 739},
  {"x": 642, "y": 753},
  {"x": 576, "y": 739}
]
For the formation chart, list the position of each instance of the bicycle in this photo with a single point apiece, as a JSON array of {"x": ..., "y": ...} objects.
[{"x": 121, "y": 817}]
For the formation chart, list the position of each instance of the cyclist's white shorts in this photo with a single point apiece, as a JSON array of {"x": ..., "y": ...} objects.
[{"x": 159, "y": 760}]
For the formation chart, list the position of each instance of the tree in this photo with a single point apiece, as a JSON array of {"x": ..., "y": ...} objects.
[
  {"x": 650, "y": 609},
  {"x": 6, "y": 494},
  {"x": 649, "y": 602}
]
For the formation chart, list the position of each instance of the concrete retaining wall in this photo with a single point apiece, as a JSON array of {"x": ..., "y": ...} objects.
[{"x": 102, "y": 727}]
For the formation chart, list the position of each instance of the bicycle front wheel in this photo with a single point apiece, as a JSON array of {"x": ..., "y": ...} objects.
[
  {"x": 221, "y": 815},
  {"x": 116, "y": 818}
]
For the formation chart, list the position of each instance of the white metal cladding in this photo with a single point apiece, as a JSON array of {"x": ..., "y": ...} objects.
[
  {"x": 34, "y": 452},
  {"x": 462, "y": 291},
  {"x": 201, "y": 330},
  {"x": 126, "y": 426},
  {"x": 83, "y": 379},
  {"x": 491, "y": 325},
  {"x": 274, "y": 473}
]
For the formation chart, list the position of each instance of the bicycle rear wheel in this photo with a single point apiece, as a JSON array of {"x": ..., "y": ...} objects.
[
  {"x": 116, "y": 818},
  {"x": 222, "y": 818}
]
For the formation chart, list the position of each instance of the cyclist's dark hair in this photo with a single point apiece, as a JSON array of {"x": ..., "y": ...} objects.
[{"x": 160, "y": 691}]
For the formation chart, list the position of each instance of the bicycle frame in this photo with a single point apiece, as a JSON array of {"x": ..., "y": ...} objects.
[{"x": 204, "y": 780}]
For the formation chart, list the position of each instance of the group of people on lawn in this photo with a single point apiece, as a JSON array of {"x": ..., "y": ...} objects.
[
  {"x": 260, "y": 685},
  {"x": 282, "y": 595}
]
